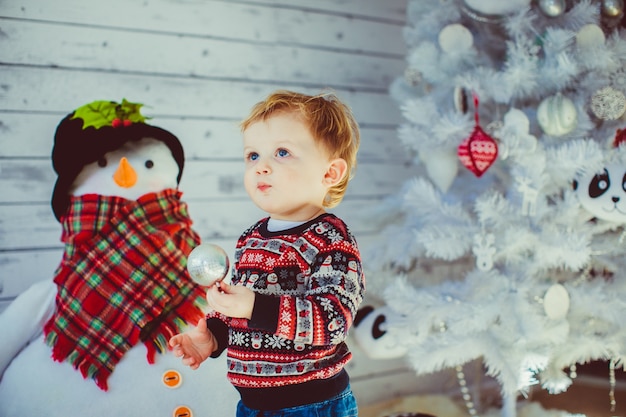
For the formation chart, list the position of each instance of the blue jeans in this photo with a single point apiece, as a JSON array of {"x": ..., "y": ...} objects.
[{"x": 342, "y": 405}]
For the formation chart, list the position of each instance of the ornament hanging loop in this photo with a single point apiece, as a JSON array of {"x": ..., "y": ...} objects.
[{"x": 475, "y": 99}]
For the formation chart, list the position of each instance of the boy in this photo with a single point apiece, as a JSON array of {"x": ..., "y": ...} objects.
[{"x": 297, "y": 281}]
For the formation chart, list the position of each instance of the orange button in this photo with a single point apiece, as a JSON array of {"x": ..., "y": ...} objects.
[
  {"x": 172, "y": 378},
  {"x": 182, "y": 411}
]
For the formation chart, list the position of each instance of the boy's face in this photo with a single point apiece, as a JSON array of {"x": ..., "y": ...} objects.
[{"x": 285, "y": 170}]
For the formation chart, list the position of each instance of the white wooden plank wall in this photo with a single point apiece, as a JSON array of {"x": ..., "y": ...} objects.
[{"x": 198, "y": 65}]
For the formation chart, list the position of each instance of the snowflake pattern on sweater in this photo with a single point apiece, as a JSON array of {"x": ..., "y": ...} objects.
[{"x": 314, "y": 271}]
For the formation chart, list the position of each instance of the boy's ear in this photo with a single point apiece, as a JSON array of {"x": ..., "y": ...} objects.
[{"x": 337, "y": 169}]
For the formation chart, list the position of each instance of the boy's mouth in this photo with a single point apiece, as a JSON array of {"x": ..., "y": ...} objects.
[{"x": 263, "y": 186}]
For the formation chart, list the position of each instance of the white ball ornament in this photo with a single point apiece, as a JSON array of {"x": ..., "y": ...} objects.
[
  {"x": 557, "y": 115},
  {"x": 556, "y": 302},
  {"x": 455, "y": 38},
  {"x": 590, "y": 36}
]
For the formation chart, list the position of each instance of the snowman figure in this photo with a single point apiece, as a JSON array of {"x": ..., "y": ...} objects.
[
  {"x": 273, "y": 285},
  {"x": 327, "y": 266},
  {"x": 93, "y": 340}
]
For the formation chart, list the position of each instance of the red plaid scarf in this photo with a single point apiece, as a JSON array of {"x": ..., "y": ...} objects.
[{"x": 122, "y": 280}]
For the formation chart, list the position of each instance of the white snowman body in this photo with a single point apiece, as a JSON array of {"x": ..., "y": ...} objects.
[{"x": 33, "y": 384}]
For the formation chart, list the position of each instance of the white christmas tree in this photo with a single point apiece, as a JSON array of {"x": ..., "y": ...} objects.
[{"x": 513, "y": 110}]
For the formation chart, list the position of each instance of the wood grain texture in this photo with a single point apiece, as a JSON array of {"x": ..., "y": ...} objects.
[
  {"x": 40, "y": 89},
  {"x": 98, "y": 49},
  {"x": 354, "y": 25}
]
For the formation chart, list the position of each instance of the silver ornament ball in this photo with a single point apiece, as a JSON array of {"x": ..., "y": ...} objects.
[
  {"x": 552, "y": 8},
  {"x": 612, "y": 8},
  {"x": 207, "y": 264}
]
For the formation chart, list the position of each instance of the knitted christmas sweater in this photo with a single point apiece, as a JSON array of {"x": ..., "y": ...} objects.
[{"x": 309, "y": 283}]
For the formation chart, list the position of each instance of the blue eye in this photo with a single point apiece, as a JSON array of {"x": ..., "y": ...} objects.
[
  {"x": 253, "y": 156},
  {"x": 282, "y": 153}
]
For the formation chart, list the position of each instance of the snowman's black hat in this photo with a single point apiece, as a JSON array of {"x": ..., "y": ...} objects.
[{"x": 83, "y": 137}]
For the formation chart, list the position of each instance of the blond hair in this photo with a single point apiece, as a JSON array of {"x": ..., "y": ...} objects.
[{"x": 330, "y": 122}]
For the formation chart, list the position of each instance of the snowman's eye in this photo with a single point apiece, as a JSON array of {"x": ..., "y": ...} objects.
[
  {"x": 102, "y": 162},
  {"x": 149, "y": 164}
]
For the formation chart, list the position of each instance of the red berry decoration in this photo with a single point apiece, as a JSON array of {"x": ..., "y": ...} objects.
[
  {"x": 107, "y": 113},
  {"x": 479, "y": 151},
  {"x": 620, "y": 137}
]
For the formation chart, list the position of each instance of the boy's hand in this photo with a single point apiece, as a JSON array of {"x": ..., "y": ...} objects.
[
  {"x": 231, "y": 300},
  {"x": 195, "y": 345}
]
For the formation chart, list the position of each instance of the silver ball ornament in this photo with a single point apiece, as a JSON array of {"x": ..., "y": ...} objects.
[
  {"x": 552, "y": 8},
  {"x": 612, "y": 8},
  {"x": 207, "y": 264}
]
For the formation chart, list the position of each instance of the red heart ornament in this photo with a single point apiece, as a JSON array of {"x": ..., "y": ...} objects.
[{"x": 478, "y": 152}]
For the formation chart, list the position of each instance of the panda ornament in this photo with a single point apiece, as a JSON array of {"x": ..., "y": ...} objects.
[
  {"x": 603, "y": 193},
  {"x": 372, "y": 333},
  {"x": 93, "y": 341}
]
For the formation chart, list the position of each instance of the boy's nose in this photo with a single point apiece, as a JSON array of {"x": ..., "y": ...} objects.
[{"x": 263, "y": 167}]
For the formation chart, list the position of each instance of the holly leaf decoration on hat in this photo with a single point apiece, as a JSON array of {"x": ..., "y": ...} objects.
[{"x": 109, "y": 113}]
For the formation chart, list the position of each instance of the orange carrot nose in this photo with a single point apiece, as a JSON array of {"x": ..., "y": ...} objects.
[{"x": 125, "y": 175}]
